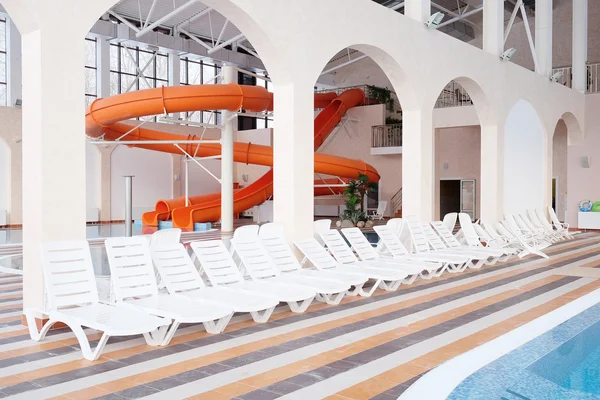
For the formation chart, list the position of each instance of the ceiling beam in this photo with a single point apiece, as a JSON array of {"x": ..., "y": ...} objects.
[{"x": 149, "y": 28}]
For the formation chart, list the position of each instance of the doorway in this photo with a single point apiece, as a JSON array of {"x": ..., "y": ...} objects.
[
  {"x": 554, "y": 193},
  {"x": 449, "y": 197}
]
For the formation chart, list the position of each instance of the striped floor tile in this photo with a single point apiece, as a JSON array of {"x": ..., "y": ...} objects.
[{"x": 360, "y": 349}]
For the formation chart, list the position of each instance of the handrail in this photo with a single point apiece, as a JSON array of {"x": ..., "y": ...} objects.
[
  {"x": 593, "y": 77},
  {"x": 386, "y": 135},
  {"x": 396, "y": 201}
]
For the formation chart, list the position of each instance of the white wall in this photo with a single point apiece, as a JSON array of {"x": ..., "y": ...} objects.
[
  {"x": 200, "y": 181},
  {"x": 92, "y": 178},
  {"x": 153, "y": 179},
  {"x": 4, "y": 176},
  {"x": 523, "y": 159}
]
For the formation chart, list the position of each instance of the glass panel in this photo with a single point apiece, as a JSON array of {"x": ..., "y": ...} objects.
[
  {"x": 270, "y": 123},
  {"x": 194, "y": 74},
  {"x": 114, "y": 83},
  {"x": 147, "y": 83},
  {"x": 127, "y": 63},
  {"x": 90, "y": 81},
  {"x": 146, "y": 58},
  {"x": 261, "y": 123},
  {"x": 2, "y": 67},
  {"x": 208, "y": 72},
  {"x": 183, "y": 72},
  {"x": 89, "y": 100},
  {"x": 90, "y": 53},
  {"x": 126, "y": 81},
  {"x": 2, "y": 94},
  {"x": 3, "y": 36},
  {"x": 114, "y": 57},
  {"x": 218, "y": 118},
  {"x": 162, "y": 67},
  {"x": 467, "y": 197}
]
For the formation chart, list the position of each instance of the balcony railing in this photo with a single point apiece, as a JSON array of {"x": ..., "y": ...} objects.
[
  {"x": 453, "y": 95},
  {"x": 386, "y": 135},
  {"x": 593, "y": 77}
]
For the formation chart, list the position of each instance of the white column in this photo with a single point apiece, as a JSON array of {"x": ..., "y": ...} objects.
[
  {"x": 547, "y": 172},
  {"x": 493, "y": 26},
  {"x": 543, "y": 36},
  {"x": 105, "y": 180},
  {"x": 103, "y": 64},
  {"x": 418, "y": 164},
  {"x": 293, "y": 158},
  {"x": 229, "y": 76},
  {"x": 580, "y": 44},
  {"x": 419, "y": 10},
  {"x": 174, "y": 73},
  {"x": 13, "y": 64},
  {"x": 54, "y": 169},
  {"x": 492, "y": 173}
]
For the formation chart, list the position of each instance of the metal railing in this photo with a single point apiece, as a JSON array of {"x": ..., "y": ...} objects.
[
  {"x": 396, "y": 201},
  {"x": 386, "y": 135},
  {"x": 593, "y": 77},
  {"x": 453, "y": 95}
]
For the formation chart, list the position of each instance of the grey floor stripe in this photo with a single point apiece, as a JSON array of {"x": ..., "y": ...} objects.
[
  {"x": 396, "y": 391},
  {"x": 215, "y": 368},
  {"x": 327, "y": 371},
  {"x": 249, "y": 358}
]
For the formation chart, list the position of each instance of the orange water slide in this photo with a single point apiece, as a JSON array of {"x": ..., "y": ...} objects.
[{"x": 104, "y": 115}]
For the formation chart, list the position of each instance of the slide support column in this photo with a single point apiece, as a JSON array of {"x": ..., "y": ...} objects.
[{"x": 229, "y": 122}]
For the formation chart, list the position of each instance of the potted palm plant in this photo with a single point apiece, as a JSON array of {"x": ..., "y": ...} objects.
[{"x": 354, "y": 194}]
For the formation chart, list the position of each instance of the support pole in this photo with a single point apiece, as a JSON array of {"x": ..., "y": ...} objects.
[
  {"x": 229, "y": 76},
  {"x": 419, "y": 10},
  {"x": 580, "y": 45},
  {"x": 543, "y": 36},
  {"x": 128, "y": 205},
  {"x": 187, "y": 181},
  {"x": 493, "y": 27}
]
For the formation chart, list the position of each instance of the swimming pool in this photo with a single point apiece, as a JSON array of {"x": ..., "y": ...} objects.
[
  {"x": 556, "y": 356},
  {"x": 563, "y": 363}
]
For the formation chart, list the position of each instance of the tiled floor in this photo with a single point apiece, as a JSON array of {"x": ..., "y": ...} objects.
[{"x": 364, "y": 348}]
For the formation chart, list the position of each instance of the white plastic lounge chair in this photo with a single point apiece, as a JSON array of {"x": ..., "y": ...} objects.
[
  {"x": 544, "y": 226},
  {"x": 380, "y": 212},
  {"x": 500, "y": 240},
  {"x": 217, "y": 264},
  {"x": 541, "y": 217},
  {"x": 450, "y": 221},
  {"x": 73, "y": 300},
  {"x": 535, "y": 226},
  {"x": 165, "y": 237},
  {"x": 473, "y": 240},
  {"x": 181, "y": 277},
  {"x": 421, "y": 245},
  {"x": 562, "y": 228},
  {"x": 320, "y": 226},
  {"x": 528, "y": 228},
  {"x": 260, "y": 267},
  {"x": 246, "y": 231},
  {"x": 530, "y": 245},
  {"x": 391, "y": 244},
  {"x": 476, "y": 258},
  {"x": 490, "y": 242},
  {"x": 134, "y": 283},
  {"x": 283, "y": 256},
  {"x": 387, "y": 279},
  {"x": 369, "y": 255},
  {"x": 271, "y": 229}
]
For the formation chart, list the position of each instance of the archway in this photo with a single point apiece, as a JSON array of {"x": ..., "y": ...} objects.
[
  {"x": 5, "y": 182},
  {"x": 369, "y": 132},
  {"x": 524, "y": 159}
]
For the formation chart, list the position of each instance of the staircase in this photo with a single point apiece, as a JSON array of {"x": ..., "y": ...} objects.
[{"x": 397, "y": 204}]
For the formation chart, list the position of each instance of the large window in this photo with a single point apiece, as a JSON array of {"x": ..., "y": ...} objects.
[
  {"x": 91, "y": 71},
  {"x": 126, "y": 63},
  {"x": 194, "y": 71},
  {"x": 3, "y": 88},
  {"x": 262, "y": 123}
]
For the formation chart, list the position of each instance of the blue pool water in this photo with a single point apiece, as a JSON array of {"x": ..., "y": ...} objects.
[{"x": 563, "y": 363}]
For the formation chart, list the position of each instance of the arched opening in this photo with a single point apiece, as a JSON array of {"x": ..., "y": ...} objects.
[
  {"x": 208, "y": 39},
  {"x": 524, "y": 159},
  {"x": 560, "y": 178},
  {"x": 5, "y": 184},
  {"x": 459, "y": 112},
  {"x": 358, "y": 124}
]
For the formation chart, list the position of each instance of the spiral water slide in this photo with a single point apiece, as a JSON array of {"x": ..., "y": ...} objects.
[{"x": 104, "y": 120}]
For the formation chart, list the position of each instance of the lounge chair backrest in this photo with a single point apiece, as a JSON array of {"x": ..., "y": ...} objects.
[
  {"x": 216, "y": 262},
  {"x": 502, "y": 228},
  {"x": 246, "y": 231},
  {"x": 316, "y": 254},
  {"x": 417, "y": 234},
  {"x": 395, "y": 226},
  {"x": 280, "y": 253},
  {"x": 360, "y": 244},
  {"x": 450, "y": 221},
  {"x": 391, "y": 242},
  {"x": 433, "y": 239},
  {"x": 554, "y": 218},
  {"x": 131, "y": 268},
  {"x": 491, "y": 230},
  {"x": 381, "y": 208},
  {"x": 543, "y": 219},
  {"x": 176, "y": 268},
  {"x": 524, "y": 223},
  {"x": 535, "y": 220},
  {"x": 338, "y": 247},
  {"x": 321, "y": 225},
  {"x": 445, "y": 234},
  {"x": 513, "y": 227},
  {"x": 68, "y": 274},
  {"x": 469, "y": 233},
  {"x": 165, "y": 237},
  {"x": 255, "y": 258},
  {"x": 481, "y": 232},
  {"x": 271, "y": 229}
]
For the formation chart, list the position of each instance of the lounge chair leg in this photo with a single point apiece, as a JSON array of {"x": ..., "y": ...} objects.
[
  {"x": 427, "y": 275},
  {"x": 300, "y": 308},
  {"x": 170, "y": 333},
  {"x": 31, "y": 324},
  {"x": 356, "y": 291},
  {"x": 84, "y": 343},
  {"x": 390, "y": 287},
  {"x": 476, "y": 265},
  {"x": 493, "y": 261},
  {"x": 335, "y": 299},
  {"x": 218, "y": 326},
  {"x": 410, "y": 279},
  {"x": 156, "y": 337},
  {"x": 371, "y": 290},
  {"x": 264, "y": 317}
]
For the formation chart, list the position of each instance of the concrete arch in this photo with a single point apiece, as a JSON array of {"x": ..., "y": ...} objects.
[
  {"x": 5, "y": 175},
  {"x": 574, "y": 130}
]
